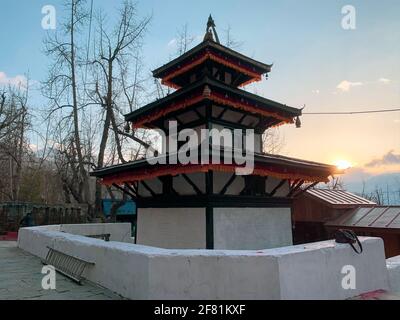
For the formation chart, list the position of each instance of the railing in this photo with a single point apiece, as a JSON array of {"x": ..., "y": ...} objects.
[
  {"x": 12, "y": 213},
  {"x": 67, "y": 265}
]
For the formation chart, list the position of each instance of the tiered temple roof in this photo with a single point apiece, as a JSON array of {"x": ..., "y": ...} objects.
[{"x": 207, "y": 79}]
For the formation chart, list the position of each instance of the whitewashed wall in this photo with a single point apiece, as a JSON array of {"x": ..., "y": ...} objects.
[
  {"x": 312, "y": 271},
  {"x": 183, "y": 228},
  {"x": 252, "y": 228},
  {"x": 118, "y": 231},
  {"x": 393, "y": 265}
]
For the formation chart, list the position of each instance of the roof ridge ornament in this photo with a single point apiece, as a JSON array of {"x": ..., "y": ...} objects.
[{"x": 211, "y": 32}]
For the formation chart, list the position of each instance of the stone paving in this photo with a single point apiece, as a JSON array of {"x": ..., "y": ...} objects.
[{"x": 21, "y": 278}]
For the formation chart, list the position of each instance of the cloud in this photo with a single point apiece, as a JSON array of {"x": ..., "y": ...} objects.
[
  {"x": 347, "y": 85},
  {"x": 355, "y": 174},
  {"x": 316, "y": 91},
  {"x": 18, "y": 80},
  {"x": 172, "y": 43},
  {"x": 384, "y": 80},
  {"x": 389, "y": 158}
]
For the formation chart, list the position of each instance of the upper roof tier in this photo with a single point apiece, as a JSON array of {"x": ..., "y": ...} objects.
[{"x": 214, "y": 59}]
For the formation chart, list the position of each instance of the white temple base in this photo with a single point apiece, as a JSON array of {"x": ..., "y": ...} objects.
[{"x": 311, "y": 271}]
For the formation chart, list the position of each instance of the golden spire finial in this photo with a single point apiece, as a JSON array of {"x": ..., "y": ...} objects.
[{"x": 211, "y": 32}]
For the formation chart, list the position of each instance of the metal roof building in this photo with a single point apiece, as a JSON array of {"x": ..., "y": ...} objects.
[
  {"x": 375, "y": 217},
  {"x": 339, "y": 198},
  {"x": 318, "y": 213}
]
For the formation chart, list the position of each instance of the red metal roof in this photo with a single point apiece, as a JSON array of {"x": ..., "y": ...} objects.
[
  {"x": 376, "y": 217},
  {"x": 339, "y": 198}
]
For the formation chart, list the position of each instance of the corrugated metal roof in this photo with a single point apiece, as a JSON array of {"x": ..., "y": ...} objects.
[
  {"x": 375, "y": 217},
  {"x": 339, "y": 198}
]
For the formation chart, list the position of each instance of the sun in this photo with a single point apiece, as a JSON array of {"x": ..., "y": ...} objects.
[{"x": 343, "y": 164}]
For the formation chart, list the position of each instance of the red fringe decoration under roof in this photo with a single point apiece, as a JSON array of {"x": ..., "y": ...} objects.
[
  {"x": 212, "y": 56},
  {"x": 162, "y": 170},
  {"x": 217, "y": 98}
]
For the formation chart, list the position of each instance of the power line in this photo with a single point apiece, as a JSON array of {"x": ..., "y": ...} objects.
[{"x": 352, "y": 112}]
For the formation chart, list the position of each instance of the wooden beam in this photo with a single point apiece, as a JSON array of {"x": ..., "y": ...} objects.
[
  {"x": 229, "y": 124},
  {"x": 209, "y": 227},
  {"x": 280, "y": 184},
  {"x": 214, "y": 74},
  {"x": 198, "y": 113},
  {"x": 124, "y": 191},
  {"x": 293, "y": 183},
  {"x": 228, "y": 184},
  {"x": 144, "y": 184},
  {"x": 298, "y": 185},
  {"x": 222, "y": 113},
  {"x": 168, "y": 185},
  {"x": 192, "y": 184},
  {"x": 128, "y": 185},
  {"x": 305, "y": 189},
  {"x": 214, "y": 201},
  {"x": 236, "y": 81},
  {"x": 191, "y": 124},
  {"x": 209, "y": 211},
  {"x": 247, "y": 186},
  {"x": 179, "y": 122},
  {"x": 166, "y": 182},
  {"x": 242, "y": 118},
  {"x": 250, "y": 184}
]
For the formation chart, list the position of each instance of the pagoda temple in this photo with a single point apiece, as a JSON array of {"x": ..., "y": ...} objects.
[{"x": 209, "y": 205}]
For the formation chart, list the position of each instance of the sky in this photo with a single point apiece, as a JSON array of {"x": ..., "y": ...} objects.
[{"x": 316, "y": 64}]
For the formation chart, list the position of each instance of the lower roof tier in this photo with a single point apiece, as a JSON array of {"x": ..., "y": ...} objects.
[
  {"x": 264, "y": 165},
  {"x": 217, "y": 93}
]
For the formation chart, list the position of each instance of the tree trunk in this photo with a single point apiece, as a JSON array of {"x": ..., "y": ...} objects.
[{"x": 77, "y": 139}]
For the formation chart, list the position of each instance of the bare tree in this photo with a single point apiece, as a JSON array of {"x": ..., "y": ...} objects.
[
  {"x": 61, "y": 88},
  {"x": 375, "y": 195},
  {"x": 272, "y": 141},
  {"x": 89, "y": 91},
  {"x": 230, "y": 41},
  {"x": 335, "y": 184},
  {"x": 183, "y": 40},
  {"x": 13, "y": 144},
  {"x": 114, "y": 88}
]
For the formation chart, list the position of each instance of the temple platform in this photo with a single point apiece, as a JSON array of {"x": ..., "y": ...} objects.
[
  {"x": 20, "y": 279},
  {"x": 309, "y": 271}
]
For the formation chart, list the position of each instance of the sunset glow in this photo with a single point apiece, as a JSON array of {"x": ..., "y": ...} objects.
[{"x": 343, "y": 164}]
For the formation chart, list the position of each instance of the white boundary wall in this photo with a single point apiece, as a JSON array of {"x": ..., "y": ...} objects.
[
  {"x": 393, "y": 266},
  {"x": 118, "y": 231},
  {"x": 311, "y": 271}
]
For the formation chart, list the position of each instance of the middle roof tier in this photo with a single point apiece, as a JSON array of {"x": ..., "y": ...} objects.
[{"x": 213, "y": 100}]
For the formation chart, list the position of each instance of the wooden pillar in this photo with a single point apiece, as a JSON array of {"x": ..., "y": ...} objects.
[
  {"x": 209, "y": 189},
  {"x": 209, "y": 213}
]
